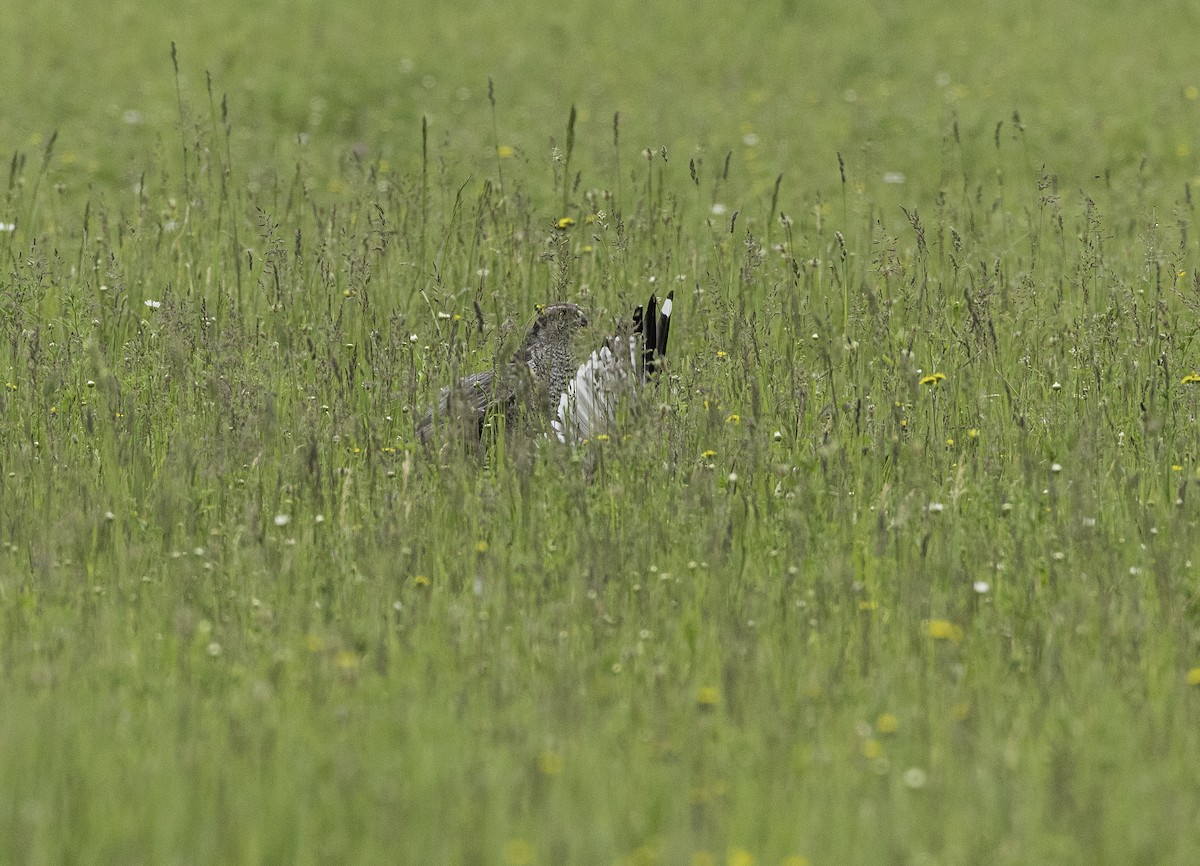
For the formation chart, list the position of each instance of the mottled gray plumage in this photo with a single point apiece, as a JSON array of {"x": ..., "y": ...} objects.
[{"x": 530, "y": 383}]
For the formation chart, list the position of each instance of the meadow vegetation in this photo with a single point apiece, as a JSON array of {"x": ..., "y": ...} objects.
[{"x": 896, "y": 565}]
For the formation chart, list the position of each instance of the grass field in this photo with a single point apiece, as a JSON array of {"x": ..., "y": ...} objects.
[{"x": 898, "y": 565}]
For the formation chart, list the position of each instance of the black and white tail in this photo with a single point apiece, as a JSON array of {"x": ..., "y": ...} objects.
[{"x": 609, "y": 375}]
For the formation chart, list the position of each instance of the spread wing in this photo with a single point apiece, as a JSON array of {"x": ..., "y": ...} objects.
[{"x": 613, "y": 374}]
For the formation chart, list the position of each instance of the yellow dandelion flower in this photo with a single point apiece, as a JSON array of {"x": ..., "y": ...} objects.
[
  {"x": 708, "y": 455},
  {"x": 481, "y": 546},
  {"x": 517, "y": 852},
  {"x": 53, "y": 410},
  {"x": 943, "y": 629},
  {"x": 564, "y": 222},
  {"x": 1175, "y": 467},
  {"x": 872, "y": 749},
  {"x": 734, "y": 419},
  {"x": 739, "y": 857},
  {"x": 887, "y": 723},
  {"x": 1192, "y": 378},
  {"x": 707, "y": 697},
  {"x": 950, "y": 443},
  {"x": 1191, "y": 92},
  {"x": 1193, "y": 677},
  {"x": 347, "y": 660},
  {"x": 550, "y": 763},
  {"x": 420, "y": 581},
  {"x": 868, "y": 605},
  {"x": 722, "y": 354},
  {"x": 541, "y": 308},
  {"x": 587, "y": 248},
  {"x": 505, "y": 151},
  {"x": 932, "y": 379},
  {"x": 10, "y": 386},
  {"x": 314, "y": 643},
  {"x": 601, "y": 437},
  {"x": 590, "y": 218},
  {"x": 973, "y": 433}
]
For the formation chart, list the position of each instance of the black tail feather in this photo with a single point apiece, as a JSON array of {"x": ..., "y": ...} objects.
[
  {"x": 664, "y": 325},
  {"x": 652, "y": 324},
  {"x": 649, "y": 338}
]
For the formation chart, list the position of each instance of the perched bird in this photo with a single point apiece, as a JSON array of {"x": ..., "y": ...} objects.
[{"x": 543, "y": 381}]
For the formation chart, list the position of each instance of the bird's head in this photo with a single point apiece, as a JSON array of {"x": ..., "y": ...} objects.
[{"x": 556, "y": 322}]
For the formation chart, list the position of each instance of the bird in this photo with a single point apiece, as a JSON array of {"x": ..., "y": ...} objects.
[{"x": 543, "y": 381}]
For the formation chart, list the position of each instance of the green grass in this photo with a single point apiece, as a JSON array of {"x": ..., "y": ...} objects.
[{"x": 809, "y": 604}]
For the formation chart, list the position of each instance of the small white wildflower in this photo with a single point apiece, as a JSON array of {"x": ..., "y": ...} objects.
[
  {"x": 1057, "y": 386},
  {"x": 719, "y": 209},
  {"x": 8, "y": 227},
  {"x": 981, "y": 587},
  {"x": 733, "y": 477},
  {"x": 283, "y": 519},
  {"x": 750, "y": 139},
  {"x": 132, "y": 117},
  {"x": 214, "y": 649},
  {"x": 154, "y": 305},
  {"x": 895, "y": 177},
  {"x": 915, "y": 778},
  {"x": 1056, "y": 467},
  {"x": 936, "y": 507}
]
